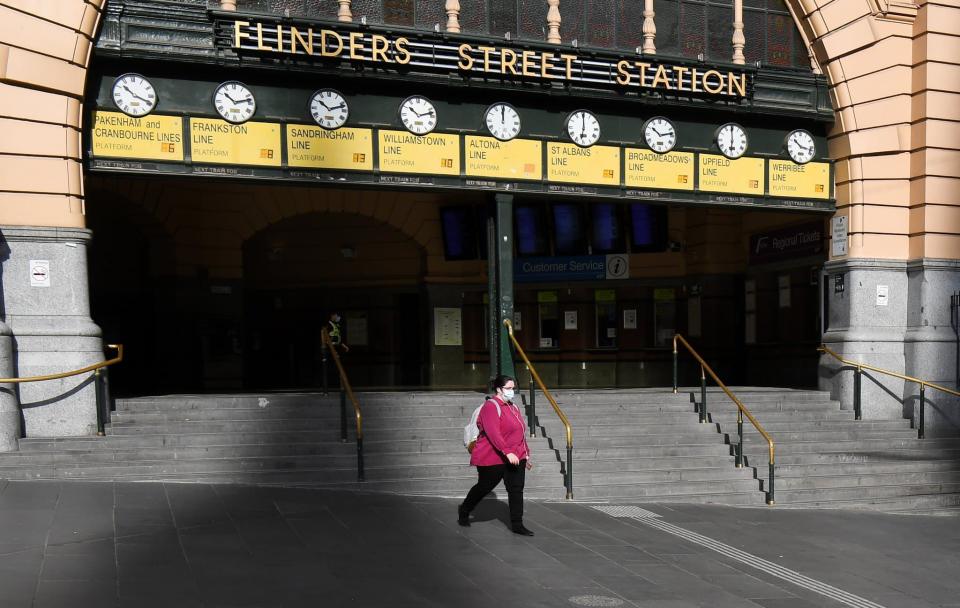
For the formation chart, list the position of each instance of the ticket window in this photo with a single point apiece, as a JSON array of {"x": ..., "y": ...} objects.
[
  {"x": 605, "y": 306},
  {"x": 549, "y": 319}
]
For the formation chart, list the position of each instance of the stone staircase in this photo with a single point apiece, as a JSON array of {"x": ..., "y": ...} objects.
[
  {"x": 630, "y": 446},
  {"x": 826, "y": 458}
]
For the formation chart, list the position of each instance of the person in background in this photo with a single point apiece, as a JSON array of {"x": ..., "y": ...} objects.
[
  {"x": 336, "y": 336},
  {"x": 501, "y": 453}
]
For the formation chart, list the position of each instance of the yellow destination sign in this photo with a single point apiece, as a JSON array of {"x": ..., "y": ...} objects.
[
  {"x": 515, "y": 159},
  {"x": 431, "y": 154},
  {"x": 345, "y": 148},
  {"x": 740, "y": 176},
  {"x": 117, "y": 135},
  {"x": 220, "y": 142},
  {"x": 788, "y": 179},
  {"x": 646, "y": 169},
  {"x": 570, "y": 163}
]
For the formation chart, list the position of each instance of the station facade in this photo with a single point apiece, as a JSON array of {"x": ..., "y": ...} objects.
[{"x": 206, "y": 181}]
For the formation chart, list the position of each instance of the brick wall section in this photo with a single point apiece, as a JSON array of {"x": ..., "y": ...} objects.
[{"x": 44, "y": 51}]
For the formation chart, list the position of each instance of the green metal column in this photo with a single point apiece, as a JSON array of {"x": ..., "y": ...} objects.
[
  {"x": 493, "y": 326},
  {"x": 504, "y": 284}
]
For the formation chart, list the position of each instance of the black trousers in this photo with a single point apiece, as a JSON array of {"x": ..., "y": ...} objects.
[{"x": 489, "y": 477}]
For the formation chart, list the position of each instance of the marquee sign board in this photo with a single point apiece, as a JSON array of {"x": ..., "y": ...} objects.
[{"x": 420, "y": 51}]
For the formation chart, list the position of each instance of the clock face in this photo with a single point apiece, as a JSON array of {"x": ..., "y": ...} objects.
[
  {"x": 503, "y": 121},
  {"x": 418, "y": 115},
  {"x": 234, "y": 102},
  {"x": 732, "y": 140},
  {"x": 801, "y": 147},
  {"x": 329, "y": 109},
  {"x": 660, "y": 134},
  {"x": 134, "y": 95},
  {"x": 583, "y": 128}
]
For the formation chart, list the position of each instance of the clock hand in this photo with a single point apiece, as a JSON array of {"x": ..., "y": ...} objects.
[
  {"x": 503, "y": 113},
  {"x": 342, "y": 105},
  {"x": 247, "y": 100},
  {"x": 324, "y": 105},
  {"x": 127, "y": 89},
  {"x": 227, "y": 95}
]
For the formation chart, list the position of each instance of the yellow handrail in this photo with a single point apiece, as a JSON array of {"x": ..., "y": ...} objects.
[
  {"x": 862, "y": 366},
  {"x": 553, "y": 402},
  {"x": 76, "y": 372},
  {"x": 859, "y": 367},
  {"x": 345, "y": 383},
  {"x": 741, "y": 409}
]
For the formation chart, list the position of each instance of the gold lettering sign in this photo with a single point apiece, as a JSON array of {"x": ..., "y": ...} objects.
[
  {"x": 220, "y": 142},
  {"x": 387, "y": 50},
  {"x": 116, "y": 135},
  {"x": 599, "y": 165},
  {"x": 788, "y": 179},
  {"x": 515, "y": 159},
  {"x": 344, "y": 148},
  {"x": 431, "y": 154},
  {"x": 740, "y": 176},
  {"x": 670, "y": 171}
]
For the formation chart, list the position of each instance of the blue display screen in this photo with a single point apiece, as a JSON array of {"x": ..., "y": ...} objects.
[
  {"x": 531, "y": 233},
  {"x": 569, "y": 232},
  {"x": 607, "y": 232},
  {"x": 459, "y": 233},
  {"x": 649, "y": 227}
]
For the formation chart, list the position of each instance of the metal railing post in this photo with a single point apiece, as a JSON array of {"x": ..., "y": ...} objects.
[
  {"x": 532, "y": 411},
  {"x": 703, "y": 396},
  {"x": 740, "y": 435},
  {"x": 923, "y": 400},
  {"x": 108, "y": 394},
  {"x": 323, "y": 368},
  {"x": 770, "y": 496},
  {"x": 569, "y": 472},
  {"x": 676, "y": 385},
  {"x": 360, "y": 471},
  {"x": 856, "y": 393},
  {"x": 343, "y": 415},
  {"x": 98, "y": 391}
]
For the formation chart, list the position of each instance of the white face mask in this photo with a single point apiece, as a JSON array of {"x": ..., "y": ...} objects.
[{"x": 508, "y": 394}]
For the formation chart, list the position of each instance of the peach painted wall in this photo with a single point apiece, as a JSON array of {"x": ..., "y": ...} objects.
[{"x": 44, "y": 51}]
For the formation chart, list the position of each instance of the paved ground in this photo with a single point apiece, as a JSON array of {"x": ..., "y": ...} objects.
[{"x": 168, "y": 545}]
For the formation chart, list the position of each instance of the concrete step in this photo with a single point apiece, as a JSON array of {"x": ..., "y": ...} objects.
[
  {"x": 862, "y": 493},
  {"x": 757, "y": 449},
  {"x": 650, "y": 463},
  {"x": 789, "y": 439},
  {"x": 718, "y": 474},
  {"x": 670, "y": 491},
  {"x": 868, "y": 468},
  {"x": 635, "y": 451},
  {"x": 813, "y": 482}
]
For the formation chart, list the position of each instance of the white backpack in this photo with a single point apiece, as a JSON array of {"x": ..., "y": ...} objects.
[{"x": 471, "y": 432}]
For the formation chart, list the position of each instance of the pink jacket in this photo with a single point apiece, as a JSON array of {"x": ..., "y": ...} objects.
[{"x": 499, "y": 435}]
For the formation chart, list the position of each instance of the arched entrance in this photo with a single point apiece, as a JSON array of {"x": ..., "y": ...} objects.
[{"x": 299, "y": 270}]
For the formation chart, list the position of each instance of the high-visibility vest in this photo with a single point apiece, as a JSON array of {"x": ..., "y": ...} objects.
[{"x": 334, "y": 332}]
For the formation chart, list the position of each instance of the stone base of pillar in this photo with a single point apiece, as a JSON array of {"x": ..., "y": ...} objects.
[
  {"x": 10, "y": 423},
  {"x": 48, "y": 313}
]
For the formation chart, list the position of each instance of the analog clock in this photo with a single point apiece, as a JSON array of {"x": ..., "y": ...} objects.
[
  {"x": 583, "y": 128},
  {"x": 660, "y": 134},
  {"x": 329, "y": 109},
  {"x": 732, "y": 140},
  {"x": 418, "y": 115},
  {"x": 134, "y": 95},
  {"x": 234, "y": 102},
  {"x": 503, "y": 121},
  {"x": 800, "y": 146}
]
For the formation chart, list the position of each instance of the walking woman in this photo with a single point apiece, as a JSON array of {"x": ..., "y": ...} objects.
[{"x": 501, "y": 452}]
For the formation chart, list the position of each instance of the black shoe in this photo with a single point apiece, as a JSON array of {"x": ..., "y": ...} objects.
[
  {"x": 463, "y": 517},
  {"x": 520, "y": 529}
]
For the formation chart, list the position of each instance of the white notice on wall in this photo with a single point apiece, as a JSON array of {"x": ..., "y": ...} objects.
[
  {"x": 447, "y": 327},
  {"x": 839, "y": 234},
  {"x": 569, "y": 319},
  {"x": 517, "y": 321},
  {"x": 883, "y": 294},
  {"x": 783, "y": 282},
  {"x": 630, "y": 318},
  {"x": 39, "y": 273},
  {"x": 357, "y": 330}
]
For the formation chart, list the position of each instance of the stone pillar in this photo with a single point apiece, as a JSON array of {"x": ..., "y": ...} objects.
[
  {"x": 649, "y": 29},
  {"x": 862, "y": 329},
  {"x": 51, "y": 326},
  {"x": 9, "y": 408},
  {"x": 228, "y": 5},
  {"x": 502, "y": 307},
  {"x": 344, "y": 13},
  {"x": 553, "y": 21},
  {"x": 452, "y": 9},
  {"x": 739, "y": 41},
  {"x": 930, "y": 342}
]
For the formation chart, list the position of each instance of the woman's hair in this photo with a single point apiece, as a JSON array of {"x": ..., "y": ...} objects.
[{"x": 501, "y": 381}]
